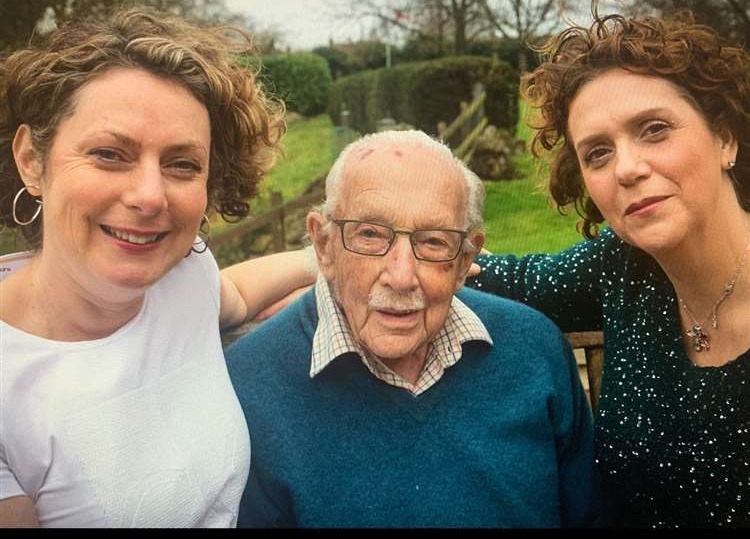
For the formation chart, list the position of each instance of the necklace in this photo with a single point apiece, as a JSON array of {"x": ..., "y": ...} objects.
[{"x": 699, "y": 338}]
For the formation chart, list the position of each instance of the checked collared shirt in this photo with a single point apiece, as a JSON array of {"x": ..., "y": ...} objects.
[{"x": 333, "y": 338}]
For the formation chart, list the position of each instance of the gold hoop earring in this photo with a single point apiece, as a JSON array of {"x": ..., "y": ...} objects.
[
  {"x": 15, "y": 207},
  {"x": 201, "y": 245}
]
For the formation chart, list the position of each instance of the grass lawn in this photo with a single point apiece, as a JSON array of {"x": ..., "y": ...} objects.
[
  {"x": 308, "y": 147},
  {"x": 519, "y": 220},
  {"x": 308, "y": 152},
  {"x": 520, "y": 217}
]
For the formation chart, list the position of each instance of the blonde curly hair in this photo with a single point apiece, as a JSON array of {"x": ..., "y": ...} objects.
[{"x": 38, "y": 85}]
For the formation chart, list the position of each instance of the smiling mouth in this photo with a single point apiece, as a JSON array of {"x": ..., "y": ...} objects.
[
  {"x": 643, "y": 204},
  {"x": 135, "y": 239}
]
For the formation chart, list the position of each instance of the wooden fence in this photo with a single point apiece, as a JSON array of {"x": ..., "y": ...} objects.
[
  {"x": 462, "y": 133},
  {"x": 274, "y": 216},
  {"x": 238, "y": 243}
]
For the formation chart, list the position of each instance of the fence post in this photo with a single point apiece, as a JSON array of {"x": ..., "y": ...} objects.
[
  {"x": 476, "y": 92},
  {"x": 279, "y": 233},
  {"x": 441, "y": 127},
  {"x": 463, "y": 129}
]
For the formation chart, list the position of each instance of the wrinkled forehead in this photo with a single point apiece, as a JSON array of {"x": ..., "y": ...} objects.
[
  {"x": 408, "y": 183},
  {"x": 402, "y": 161}
]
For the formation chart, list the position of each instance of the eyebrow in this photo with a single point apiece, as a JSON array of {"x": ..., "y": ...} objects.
[
  {"x": 637, "y": 119},
  {"x": 135, "y": 145},
  {"x": 372, "y": 218}
]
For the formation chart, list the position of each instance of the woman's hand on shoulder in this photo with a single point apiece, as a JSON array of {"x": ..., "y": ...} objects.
[
  {"x": 475, "y": 269},
  {"x": 279, "y": 305}
]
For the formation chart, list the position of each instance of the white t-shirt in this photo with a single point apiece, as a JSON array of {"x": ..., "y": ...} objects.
[{"x": 141, "y": 428}]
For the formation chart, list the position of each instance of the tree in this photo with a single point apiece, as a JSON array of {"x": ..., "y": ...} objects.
[
  {"x": 447, "y": 23},
  {"x": 524, "y": 21},
  {"x": 18, "y": 20},
  {"x": 349, "y": 58},
  {"x": 451, "y": 26},
  {"x": 337, "y": 59},
  {"x": 731, "y": 18}
]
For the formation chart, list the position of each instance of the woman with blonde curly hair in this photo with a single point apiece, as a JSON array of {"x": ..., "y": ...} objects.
[
  {"x": 118, "y": 138},
  {"x": 647, "y": 124}
]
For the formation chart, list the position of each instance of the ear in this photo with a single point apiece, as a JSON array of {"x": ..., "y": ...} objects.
[
  {"x": 465, "y": 259},
  {"x": 322, "y": 243},
  {"x": 28, "y": 161}
]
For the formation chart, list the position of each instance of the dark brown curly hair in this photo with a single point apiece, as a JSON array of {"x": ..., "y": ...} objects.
[
  {"x": 713, "y": 73},
  {"x": 38, "y": 85}
]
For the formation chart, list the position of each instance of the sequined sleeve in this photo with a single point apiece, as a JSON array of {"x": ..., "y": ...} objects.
[{"x": 566, "y": 286}]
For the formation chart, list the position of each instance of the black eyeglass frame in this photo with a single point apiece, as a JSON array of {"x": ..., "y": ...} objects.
[{"x": 341, "y": 222}]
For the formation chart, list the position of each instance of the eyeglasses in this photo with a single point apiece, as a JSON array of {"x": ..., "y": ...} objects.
[{"x": 374, "y": 239}]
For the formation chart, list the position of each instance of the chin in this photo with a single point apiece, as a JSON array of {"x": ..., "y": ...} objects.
[
  {"x": 654, "y": 241},
  {"x": 135, "y": 278},
  {"x": 656, "y": 246}
]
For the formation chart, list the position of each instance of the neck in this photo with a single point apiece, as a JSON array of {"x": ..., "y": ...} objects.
[
  {"x": 710, "y": 276},
  {"x": 409, "y": 368},
  {"x": 54, "y": 305},
  {"x": 704, "y": 291},
  {"x": 707, "y": 260}
]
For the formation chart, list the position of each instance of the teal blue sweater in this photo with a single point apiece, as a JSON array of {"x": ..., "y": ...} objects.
[{"x": 503, "y": 439}]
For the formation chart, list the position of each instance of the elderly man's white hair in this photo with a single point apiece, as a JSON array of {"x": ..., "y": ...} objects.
[{"x": 474, "y": 186}]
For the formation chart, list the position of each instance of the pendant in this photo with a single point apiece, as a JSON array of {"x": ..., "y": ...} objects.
[{"x": 699, "y": 338}]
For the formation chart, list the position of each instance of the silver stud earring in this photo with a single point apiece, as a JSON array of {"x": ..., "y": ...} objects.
[{"x": 731, "y": 164}]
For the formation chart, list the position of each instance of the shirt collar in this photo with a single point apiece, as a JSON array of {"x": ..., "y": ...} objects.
[{"x": 333, "y": 337}]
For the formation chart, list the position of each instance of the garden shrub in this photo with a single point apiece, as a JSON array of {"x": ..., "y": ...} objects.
[
  {"x": 425, "y": 93},
  {"x": 302, "y": 80}
]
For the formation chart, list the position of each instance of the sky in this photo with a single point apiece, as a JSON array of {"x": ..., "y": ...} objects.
[{"x": 303, "y": 24}]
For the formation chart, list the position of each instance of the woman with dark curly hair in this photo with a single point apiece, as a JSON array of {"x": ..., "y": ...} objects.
[
  {"x": 118, "y": 138},
  {"x": 647, "y": 123}
]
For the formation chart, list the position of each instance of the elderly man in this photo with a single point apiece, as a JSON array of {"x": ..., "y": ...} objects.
[{"x": 382, "y": 397}]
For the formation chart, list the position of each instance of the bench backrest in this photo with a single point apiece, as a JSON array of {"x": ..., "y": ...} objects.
[{"x": 590, "y": 366}]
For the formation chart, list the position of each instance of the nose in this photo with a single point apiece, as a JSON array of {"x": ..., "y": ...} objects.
[
  {"x": 630, "y": 166},
  {"x": 146, "y": 192},
  {"x": 400, "y": 271}
]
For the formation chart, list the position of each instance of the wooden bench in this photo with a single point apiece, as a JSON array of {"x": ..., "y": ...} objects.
[{"x": 590, "y": 362}]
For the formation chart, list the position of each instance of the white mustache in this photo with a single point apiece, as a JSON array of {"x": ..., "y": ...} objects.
[{"x": 393, "y": 301}]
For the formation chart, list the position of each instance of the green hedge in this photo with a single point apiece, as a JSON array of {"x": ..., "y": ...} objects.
[
  {"x": 302, "y": 80},
  {"x": 425, "y": 93}
]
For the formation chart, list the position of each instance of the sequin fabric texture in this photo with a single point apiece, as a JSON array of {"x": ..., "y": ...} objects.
[{"x": 672, "y": 439}]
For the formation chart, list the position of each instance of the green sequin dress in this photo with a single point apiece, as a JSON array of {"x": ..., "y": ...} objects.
[{"x": 672, "y": 439}]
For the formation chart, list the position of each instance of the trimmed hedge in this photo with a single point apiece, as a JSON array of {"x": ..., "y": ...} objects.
[
  {"x": 302, "y": 80},
  {"x": 425, "y": 93}
]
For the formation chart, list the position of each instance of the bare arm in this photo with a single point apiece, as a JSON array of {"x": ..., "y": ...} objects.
[
  {"x": 18, "y": 512},
  {"x": 249, "y": 287},
  {"x": 283, "y": 302}
]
